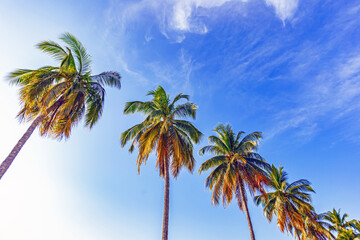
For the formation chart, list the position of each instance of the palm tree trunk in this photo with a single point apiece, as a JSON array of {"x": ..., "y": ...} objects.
[
  {"x": 166, "y": 204},
  {"x": 14, "y": 152},
  {"x": 245, "y": 207},
  {"x": 10, "y": 158}
]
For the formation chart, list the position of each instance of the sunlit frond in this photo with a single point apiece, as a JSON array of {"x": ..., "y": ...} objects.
[
  {"x": 52, "y": 48},
  {"x": 138, "y": 106},
  {"x": 83, "y": 58}
]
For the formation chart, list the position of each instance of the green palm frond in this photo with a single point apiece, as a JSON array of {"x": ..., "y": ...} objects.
[
  {"x": 94, "y": 104},
  {"x": 53, "y": 49},
  {"x": 211, "y": 163},
  {"x": 185, "y": 110},
  {"x": 211, "y": 149},
  {"x": 131, "y": 133},
  {"x": 83, "y": 58},
  {"x": 213, "y": 177},
  {"x": 68, "y": 65},
  {"x": 219, "y": 142},
  {"x": 336, "y": 221},
  {"x": 138, "y": 106},
  {"x": 111, "y": 79},
  {"x": 179, "y": 97},
  {"x": 190, "y": 130}
]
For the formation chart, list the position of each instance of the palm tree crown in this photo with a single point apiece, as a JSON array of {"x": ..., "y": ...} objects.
[
  {"x": 346, "y": 230},
  {"x": 291, "y": 203},
  {"x": 164, "y": 131},
  {"x": 66, "y": 93},
  {"x": 336, "y": 220},
  {"x": 236, "y": 165},
  {"x": 315, "y": 228},
  {"x": 235, "y": 162},
  {"x": 348, "y": 234}
]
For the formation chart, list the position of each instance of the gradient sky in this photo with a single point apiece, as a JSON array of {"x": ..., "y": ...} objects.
[{"x": 288, "y": 68}]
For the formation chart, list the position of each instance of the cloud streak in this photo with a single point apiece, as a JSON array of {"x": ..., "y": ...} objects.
[
  {"x": 331, "y": 90},
  {"x": 175, "y": 18}
]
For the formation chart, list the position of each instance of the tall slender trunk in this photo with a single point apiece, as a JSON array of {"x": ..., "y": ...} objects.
[
  {"x": 10, "y": 158},
  {"x": 14, "y": 152},
  {"x": 166, "y": 204},
  {"x": 245, "y": 207}
]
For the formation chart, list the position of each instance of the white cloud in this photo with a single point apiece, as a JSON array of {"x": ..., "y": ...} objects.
[
  {"x": 177, "y": 17},
  {"x": 285, "y": 9},
  {"x": 182, "y": 18},
  {"x": 182, "y": 14},
  {"x": 350, "y": 68}
]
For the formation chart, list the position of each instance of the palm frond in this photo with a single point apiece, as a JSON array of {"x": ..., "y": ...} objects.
[
  {"x": 68, "y": 64},
  {"x": 138, "y": 106},
  {"x": 111, "y": 79},
  {"x": 52, "y": 48},
  {"x": 216, "y": 150},
  {"x": 94, "y": 105},
  {"x": 194, "y": 134},
  {"x": 83, "y": 58},
  {"x": 185, "y": 110},
  {"x": 211, "y": 163},
  {"x": 177, "y": 98}
]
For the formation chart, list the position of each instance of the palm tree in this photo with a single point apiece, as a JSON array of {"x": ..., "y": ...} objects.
[
  {"x": 346, "y": 230},
  {"x": 315, "y": 228},
  {"x": 289, "y": 202},
  {"x": 348, "y": 234},
  {"x": 236, "y": 165},
  {"x": 355, "y": 224},
  {"x": 164, "y": 132},
  {"x": 336, "y": 221},
  {"x": 57, "y": 98}
]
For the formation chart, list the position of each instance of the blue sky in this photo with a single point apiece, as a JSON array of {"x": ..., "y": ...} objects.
[{"x": 288, "y": 68}]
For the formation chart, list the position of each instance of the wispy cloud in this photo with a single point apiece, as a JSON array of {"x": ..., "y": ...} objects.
[
  {"x": 329, "y": 97},
  {"x": 175, "y": 18},
  {"x": 330, "y": 84},
  {"x": 177, "y": 75}
]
